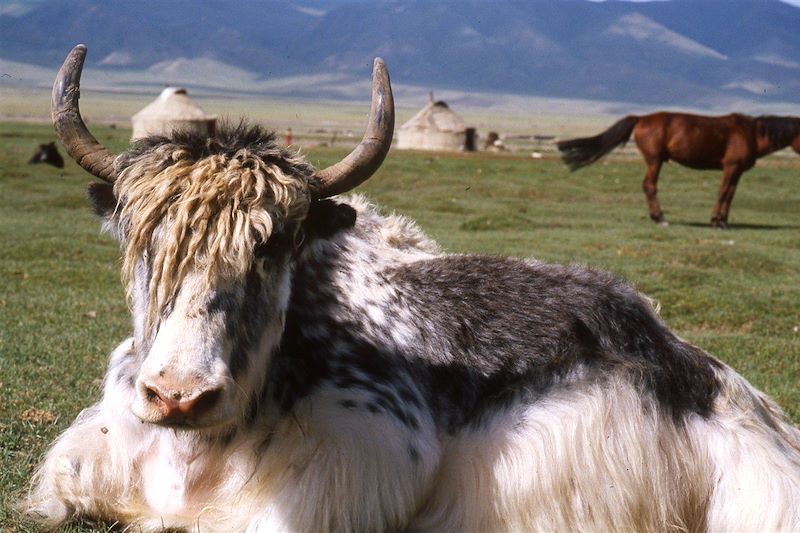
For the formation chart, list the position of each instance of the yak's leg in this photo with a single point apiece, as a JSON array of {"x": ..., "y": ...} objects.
[
  {"x": 589, "y": 459},
  {"x": 727, "y": 188},
  {"x": 66, "y": 484},
  {"x": 650, "y": 188},
  {"x": 82, "y": 474},
  {"x": 344, "y": 461},
  {"x": 754, "y": 454}
]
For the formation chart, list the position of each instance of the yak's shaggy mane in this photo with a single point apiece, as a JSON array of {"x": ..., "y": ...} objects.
[{"x": 196, "y": 203}]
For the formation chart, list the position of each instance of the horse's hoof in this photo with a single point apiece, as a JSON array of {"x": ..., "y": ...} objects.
[
  {"x": 663, "y": 223},
  {"x": 718, "y": 224},
  {"x": 659, "y": 219}
]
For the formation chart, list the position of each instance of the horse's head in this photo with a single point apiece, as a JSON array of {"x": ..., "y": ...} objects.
[
  {"x": 774, "y": 133},
  {"x": 796, "y": 143}
]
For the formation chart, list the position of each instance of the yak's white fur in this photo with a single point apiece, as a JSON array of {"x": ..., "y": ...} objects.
[
  {"x": 592, "y": 455},
  {"x": 582, "y": 458}
]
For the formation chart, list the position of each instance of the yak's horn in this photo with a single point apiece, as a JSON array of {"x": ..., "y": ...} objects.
[
  {"x": 365, "y": 159},
  {"x": 70, "y": 128}
]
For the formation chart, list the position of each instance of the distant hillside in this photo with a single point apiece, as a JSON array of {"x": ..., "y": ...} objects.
[{"x": 679, "y": 52}]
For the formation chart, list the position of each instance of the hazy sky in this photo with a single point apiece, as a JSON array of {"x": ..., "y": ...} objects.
[{"x": 792, "y": 2}]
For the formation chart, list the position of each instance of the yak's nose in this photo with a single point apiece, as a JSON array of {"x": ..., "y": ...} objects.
[{"x": 180, "y": 407}]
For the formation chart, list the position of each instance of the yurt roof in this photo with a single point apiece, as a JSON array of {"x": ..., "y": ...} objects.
[
  {"x": 173, "y": 104},
  {"x": 436, "y": 116}
]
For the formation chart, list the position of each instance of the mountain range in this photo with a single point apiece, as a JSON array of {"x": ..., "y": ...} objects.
[{"x": 677, "y": 52}]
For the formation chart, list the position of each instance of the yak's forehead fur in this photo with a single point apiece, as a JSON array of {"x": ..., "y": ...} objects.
[{"x": 197, "y": 203}]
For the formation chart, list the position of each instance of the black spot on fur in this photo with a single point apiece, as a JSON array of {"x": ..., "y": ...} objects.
[
  {"x": 408, "y": 397},
  {"x": 124, "y": 376},
  {"x": 76, "y": 467},
  {"x": 348, "y": 404},
  {"x": 298, "y": 367},
  {"x": 226, "y": 438},
  {"x": 587, "y": 345},
  {"x": 413, "y": 453},
  {"x": 245, "y": 318},
  {"x": 239, "y": 359},
  {"x": 222, "y": 302}
]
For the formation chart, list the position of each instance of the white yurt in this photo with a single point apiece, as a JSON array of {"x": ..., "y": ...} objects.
[
  {"x": 172, "y": 110},
  {"x": 435, "y": 127}
]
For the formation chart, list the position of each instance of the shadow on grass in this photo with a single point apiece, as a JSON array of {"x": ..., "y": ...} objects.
[{"x": 733, "y": 227}]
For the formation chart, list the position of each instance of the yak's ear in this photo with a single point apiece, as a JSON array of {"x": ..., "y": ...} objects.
[
  {"x": 327, "y": 217},
  {"x": 101, "y": 196},
  {"x": 104, "y": 204}
]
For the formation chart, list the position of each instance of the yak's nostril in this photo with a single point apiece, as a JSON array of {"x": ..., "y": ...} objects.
[
  {"x": 152, "y": 395},
  {"x": 205, "y": 401},
  {"x": 173, "y": 408}
]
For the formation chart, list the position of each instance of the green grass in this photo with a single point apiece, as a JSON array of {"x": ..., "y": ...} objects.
[{"x": 735, "y": 293}]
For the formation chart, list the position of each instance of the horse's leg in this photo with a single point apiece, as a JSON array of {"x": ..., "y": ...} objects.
[
  {"x": 727, "y": 188},
  {"x": 650, "y": 188}
]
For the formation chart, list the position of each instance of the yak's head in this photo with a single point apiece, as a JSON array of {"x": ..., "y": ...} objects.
[{"x": 208, "y": 228}]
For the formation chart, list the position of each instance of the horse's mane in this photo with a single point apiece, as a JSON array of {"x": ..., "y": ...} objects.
[
  {"x": 192, "y": 202},
  {"x": 781, "y": 131}
]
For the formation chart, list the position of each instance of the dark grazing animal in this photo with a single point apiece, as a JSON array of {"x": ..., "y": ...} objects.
[
  {"x": 731, "y": 143},
  {"x": 306, "y": 363},
  {"x": 47, "y": 153}
]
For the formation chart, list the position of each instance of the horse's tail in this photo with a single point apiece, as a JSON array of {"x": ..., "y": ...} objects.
[{"x": 578, "y": 153}]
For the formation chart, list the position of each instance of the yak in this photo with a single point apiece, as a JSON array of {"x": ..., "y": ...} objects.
[
  {"x": 303, "y": 361},
  {"x": 47, "y": 153}
]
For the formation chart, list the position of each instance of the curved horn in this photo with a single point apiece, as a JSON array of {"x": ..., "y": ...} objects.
[
  {"x": 70, "y": 128},
  {"x": 365, "y": 158}
]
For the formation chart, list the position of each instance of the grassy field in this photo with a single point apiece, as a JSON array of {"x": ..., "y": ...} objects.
[{"x": 735, "y": 293}]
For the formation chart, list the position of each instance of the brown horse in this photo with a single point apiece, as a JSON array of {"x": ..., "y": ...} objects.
[{"x": 731, "y": 143}]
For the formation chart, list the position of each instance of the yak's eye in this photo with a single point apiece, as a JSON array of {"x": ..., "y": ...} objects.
[
  {"x": 277, "y": 243},
  {"x": 261, "y": 251},
  {"x": 282, "y": 241}
]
